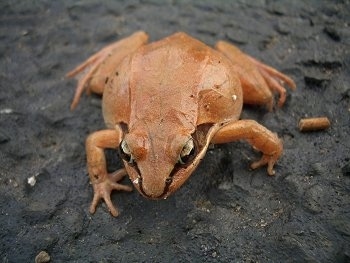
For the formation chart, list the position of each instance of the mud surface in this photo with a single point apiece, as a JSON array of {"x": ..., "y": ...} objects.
[{"x": 225, "y": 212}]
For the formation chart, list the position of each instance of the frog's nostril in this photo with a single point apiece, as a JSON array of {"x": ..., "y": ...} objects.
[{"x": 153, "y": 189}]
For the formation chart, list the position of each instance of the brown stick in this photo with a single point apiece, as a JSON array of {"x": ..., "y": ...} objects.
[{"x": 314, "y": 124}]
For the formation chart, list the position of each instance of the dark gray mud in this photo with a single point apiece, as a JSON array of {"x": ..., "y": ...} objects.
[{"x": 225, "y": 212}]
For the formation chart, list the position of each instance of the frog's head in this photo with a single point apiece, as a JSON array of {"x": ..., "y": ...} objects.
[{"x": 159, "y": 163}]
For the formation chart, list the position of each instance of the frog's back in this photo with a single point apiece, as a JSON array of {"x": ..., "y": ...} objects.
[{"x": 179, "y": 79}]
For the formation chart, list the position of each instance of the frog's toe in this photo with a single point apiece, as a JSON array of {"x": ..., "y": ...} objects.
[
  {"x": 103, "y": 190},
  {"x": 114, "y": 178},
  {"x": 112, "y": 209},
  {"x": 265, "y": 159},
  {"x": 94, "y": 203}
]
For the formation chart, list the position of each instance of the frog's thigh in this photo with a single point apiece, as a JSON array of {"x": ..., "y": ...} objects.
[
  {"x": 95, "y": 145},
  {"x": 258, "y": 80},
  {"x": 255, "y": 134},
  {"x": 255, "y": 89}
]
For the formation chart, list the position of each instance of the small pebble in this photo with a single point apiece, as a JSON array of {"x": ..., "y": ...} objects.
[
  {"x": 31, "y": 181},
  {"x": 42, "y": 257},
  {"x": 6, "y": 111}
]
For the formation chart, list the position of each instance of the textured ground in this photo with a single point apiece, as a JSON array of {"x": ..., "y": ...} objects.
[{"x": 225, "y": 212}]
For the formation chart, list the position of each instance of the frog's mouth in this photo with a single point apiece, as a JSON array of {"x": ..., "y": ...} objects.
[
  {"x": 181, "y": 172},
  {"x": 202, "y": 137}
]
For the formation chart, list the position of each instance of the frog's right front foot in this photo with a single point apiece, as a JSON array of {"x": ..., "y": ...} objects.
[{"x": 103, "y": 190}]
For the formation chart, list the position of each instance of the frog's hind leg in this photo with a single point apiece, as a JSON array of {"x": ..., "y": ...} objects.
[
  {"x": 258, "y": 80},
  {"x": 274, "y": 79},
  {"x": 100, "y": 65}
]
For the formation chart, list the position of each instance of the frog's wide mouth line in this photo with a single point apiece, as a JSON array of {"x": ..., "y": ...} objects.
[
  {"x": 138, "y": 185},
  {"x": 180, "y": 173},
  {"x": 178, "y": 170}
]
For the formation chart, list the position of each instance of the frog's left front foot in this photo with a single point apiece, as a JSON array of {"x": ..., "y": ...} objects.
[
  {"x": 270, "y": 160},
  {"x": 258, "y": 136},
  {"x": 103, "y": 190}
]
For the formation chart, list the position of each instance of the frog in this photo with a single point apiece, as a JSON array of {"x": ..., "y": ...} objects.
[{"x": 165, "y": 102}]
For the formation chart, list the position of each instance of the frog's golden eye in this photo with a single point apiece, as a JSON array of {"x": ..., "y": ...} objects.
[
  {"x": 125, "y": 152},
  {"x": 187, "y": 153}
]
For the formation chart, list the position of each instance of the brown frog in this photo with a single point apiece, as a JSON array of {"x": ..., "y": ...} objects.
[{"x": 165, "y": 102}]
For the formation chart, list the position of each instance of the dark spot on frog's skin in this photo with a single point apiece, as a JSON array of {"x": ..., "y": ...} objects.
[
  {"x": 117, "y": 73},
  {"x": 106, "y": 80},
  {"x": 168, "y": 180},
  {"x": 96, "y": 176}
]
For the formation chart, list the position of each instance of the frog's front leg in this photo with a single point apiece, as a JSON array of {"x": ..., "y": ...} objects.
[
  {"x": 103, "y": 183},
  {"x": 259, "y": 81},
  {"x": 258, "y": 136},
  {"x": 100, "y": 65}
]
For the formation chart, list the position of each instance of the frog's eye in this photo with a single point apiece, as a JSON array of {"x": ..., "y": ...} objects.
[
  {"x": 187, "y": 152},
  {"x": 125, "y": 152}
]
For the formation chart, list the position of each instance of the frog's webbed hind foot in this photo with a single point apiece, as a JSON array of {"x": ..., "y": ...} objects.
[
  {"x": 259, "y": 81},
  {"x": 275, "y": 80},
  {"x": 90, "y": 65},
  {"x": 100, "y": 65}
]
